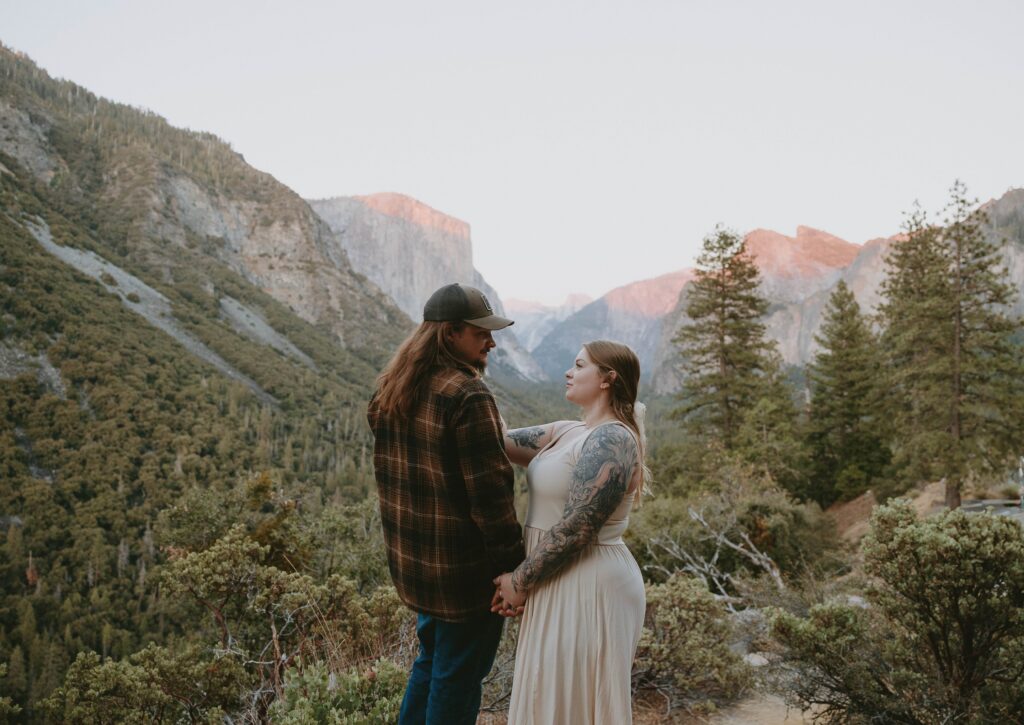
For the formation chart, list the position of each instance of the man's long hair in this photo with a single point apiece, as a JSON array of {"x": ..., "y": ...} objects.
[{"x": 424, "y": 350}]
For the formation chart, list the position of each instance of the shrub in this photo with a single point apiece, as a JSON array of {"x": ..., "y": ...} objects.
[
  {"x": 943, "y": 637},
  {"x": 684, "y": 648},
  {"x": 359, "y": 696},
  {"x": 740, "y": 502},
  {"x": 153, "y": 685}
]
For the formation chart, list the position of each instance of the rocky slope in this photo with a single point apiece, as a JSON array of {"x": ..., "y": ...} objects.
[
  {"x": 647, "y": 315},
  {"x": 409, "y": 250},
  {"x": 534, "y": 320},
  {"x": 800, "y": 273},
  {"x": 161, "y": 194},
  {"x": 632, "y": 314}
]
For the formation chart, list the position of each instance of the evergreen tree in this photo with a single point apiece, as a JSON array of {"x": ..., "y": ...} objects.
[
  {"x": 847, "y": 451},
  {"x": 769, "y": 437},
  {"x": 956, "y": 376},
  {"x": 723, "y": 348},
  {"x": 7, "y": 706}
]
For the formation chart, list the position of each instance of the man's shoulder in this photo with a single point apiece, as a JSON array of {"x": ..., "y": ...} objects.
[{"x": 457, "y": 382}]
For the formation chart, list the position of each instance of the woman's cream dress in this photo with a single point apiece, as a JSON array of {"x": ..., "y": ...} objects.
[{"x": 581, "y": 626}]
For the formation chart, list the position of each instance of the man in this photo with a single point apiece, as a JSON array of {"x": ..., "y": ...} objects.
[{"x": 446, "y": 500}]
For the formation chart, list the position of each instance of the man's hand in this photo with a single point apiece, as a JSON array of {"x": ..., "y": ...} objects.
[{"x": 506, "y": 600}]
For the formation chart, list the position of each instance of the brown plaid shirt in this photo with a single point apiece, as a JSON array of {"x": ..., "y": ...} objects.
[{"x": 446, "y": 498}]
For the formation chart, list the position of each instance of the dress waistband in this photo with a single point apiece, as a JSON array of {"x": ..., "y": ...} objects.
[{"x": 609, "y": 535}]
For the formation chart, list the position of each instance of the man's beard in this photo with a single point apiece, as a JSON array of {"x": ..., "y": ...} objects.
[{"x": 481, "y": 366}]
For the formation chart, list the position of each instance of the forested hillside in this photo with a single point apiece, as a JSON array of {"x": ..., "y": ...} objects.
[
  {"x": 107, "y": 420},
  {"x": 188, "y": 531}
]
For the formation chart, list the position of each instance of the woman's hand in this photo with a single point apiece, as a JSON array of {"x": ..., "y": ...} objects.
[{"x": 507, "y": 601}]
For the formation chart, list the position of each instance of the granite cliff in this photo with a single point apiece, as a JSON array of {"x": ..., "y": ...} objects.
[
  {"x": 633, "y": 314},
  {"x": 183, "y": 205},
  {"x": 534, "y": 320},
  {"x": 799, "y": 274},
  {"x": 409, "y": 250}
]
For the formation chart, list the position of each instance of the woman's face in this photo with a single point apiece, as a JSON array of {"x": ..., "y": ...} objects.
[{"x": 584, "y": 381}]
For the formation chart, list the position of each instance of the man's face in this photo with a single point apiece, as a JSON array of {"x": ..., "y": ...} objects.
[{"x": 471, "y": 345}]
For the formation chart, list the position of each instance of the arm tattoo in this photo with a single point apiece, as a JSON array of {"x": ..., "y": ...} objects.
[
  {"x": 599, "y": 483},
  {"x": 527, "y": 437}
]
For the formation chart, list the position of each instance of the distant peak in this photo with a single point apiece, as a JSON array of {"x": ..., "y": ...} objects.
[
  {"x": 573, "y": 301},
  {"x": 650, "y": 297},
  {"x": 809, "y": 251},
  {"x": 514, "y": 305},
  {"x": 577, "y": 299},
  {"x": 412, "y": 210}
]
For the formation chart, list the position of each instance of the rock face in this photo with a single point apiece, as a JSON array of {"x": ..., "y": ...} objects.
[
  {"x": 409, "y": 250},
  {"x": 793, "y": 268},
  {"x": 799, "y": 274},
  {"x": 632, "y": 314},
  {"x": 162, "y": 195},
  {"x": 534, "y": 320},
  {"x": 797, "y": 277}
]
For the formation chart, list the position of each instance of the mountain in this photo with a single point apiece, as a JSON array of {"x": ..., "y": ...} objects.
[
  {"x": 534, "y": 320},
  {"x": 632, "y": 314},
  {"x": 799, "y": 274},
  {"x": 409, "y": 250},
  {"x": 174, "y": 325}
]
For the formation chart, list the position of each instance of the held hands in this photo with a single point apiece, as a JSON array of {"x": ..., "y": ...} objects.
[{"x": 507, "y": 601}]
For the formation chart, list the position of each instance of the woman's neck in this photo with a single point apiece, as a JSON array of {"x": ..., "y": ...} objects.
[{"x": 598, "y": 412}]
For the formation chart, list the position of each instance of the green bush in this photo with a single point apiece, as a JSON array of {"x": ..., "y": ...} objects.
[
  {"x": 357, "y": 697},
  {"x": 153, "y": 685},
  {"x": 942, "y": 639},
  {"x": 739, "y": 502},
  {"x": 684, "y": 648}
]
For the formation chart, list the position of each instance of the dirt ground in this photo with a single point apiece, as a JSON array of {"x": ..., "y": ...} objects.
[{"x": 755, "y": 710}]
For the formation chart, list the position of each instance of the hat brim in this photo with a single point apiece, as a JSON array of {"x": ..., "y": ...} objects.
[{"x": 491, "y": 322}]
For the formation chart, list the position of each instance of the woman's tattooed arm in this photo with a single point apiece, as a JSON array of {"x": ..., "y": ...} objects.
[
  {"x": 600, "y": 481},
  {"x": 522, "y": 444}
]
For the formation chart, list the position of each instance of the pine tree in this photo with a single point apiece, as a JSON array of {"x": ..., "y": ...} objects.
[
  {"x": 723, "y": 348},
  {"x": 847, "y": 451},
  {"x": 957, "y": 378},
  {"x": 17, "y": 678},
  {"x": 769, "y": 437},
  {"x": 7, "y": 706}
]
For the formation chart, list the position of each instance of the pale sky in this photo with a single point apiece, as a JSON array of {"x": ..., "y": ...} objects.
[{"x": 588, "y": 144}]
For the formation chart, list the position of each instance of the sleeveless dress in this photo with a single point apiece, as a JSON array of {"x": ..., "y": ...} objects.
[{"x": 581, "y": 627}]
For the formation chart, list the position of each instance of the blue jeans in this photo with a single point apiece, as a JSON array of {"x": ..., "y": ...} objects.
[{"x": 445, "y": 683}]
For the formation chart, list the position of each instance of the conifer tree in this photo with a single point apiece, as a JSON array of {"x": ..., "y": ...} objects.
[
  {"x": 846, "y": 448},
  {"x": 7, "y": 706},
  {"x": 735, "y": 398},
  {"x": 723, "y": 347},
  {"x": 956, "y": 376},
  {"x": 769, "y": 437}
]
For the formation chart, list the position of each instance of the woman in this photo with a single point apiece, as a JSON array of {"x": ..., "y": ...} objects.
[{"x": 586, "y": 598}]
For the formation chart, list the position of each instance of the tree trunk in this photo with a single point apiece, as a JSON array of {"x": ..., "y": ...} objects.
[{"x": 952, "y": 494}]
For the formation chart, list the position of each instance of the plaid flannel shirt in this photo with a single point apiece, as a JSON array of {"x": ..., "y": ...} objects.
[{"x": 446, "y": 497}]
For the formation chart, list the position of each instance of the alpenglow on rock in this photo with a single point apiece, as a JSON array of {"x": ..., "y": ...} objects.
[
  {"x": 632, "y": 314},
  {"x": 409, "y": 249}
]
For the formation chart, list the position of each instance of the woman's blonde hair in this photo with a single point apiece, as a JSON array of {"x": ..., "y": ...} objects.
[
  {"x": 427, "y": 347},
  {"x": 614, "y": 357}
]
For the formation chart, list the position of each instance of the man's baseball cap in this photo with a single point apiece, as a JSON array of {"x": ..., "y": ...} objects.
[{"x": 462, "y": 303}]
